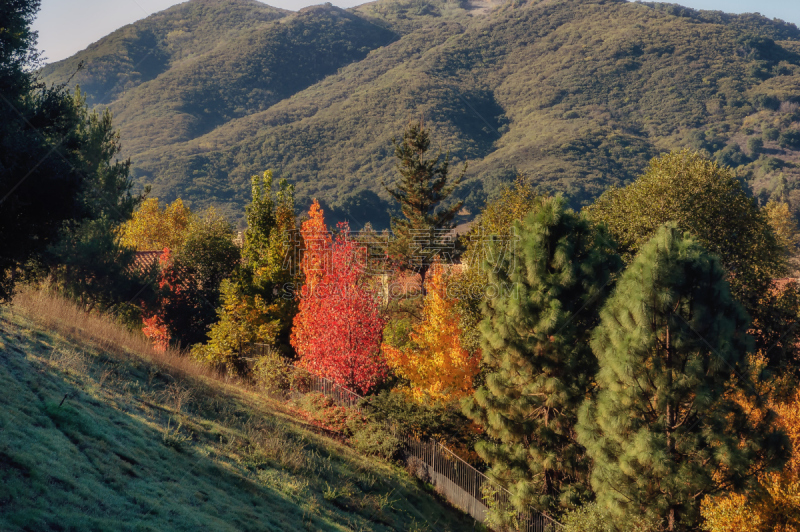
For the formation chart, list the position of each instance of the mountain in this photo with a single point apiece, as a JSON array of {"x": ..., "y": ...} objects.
[{"x": 575, "y": 94}]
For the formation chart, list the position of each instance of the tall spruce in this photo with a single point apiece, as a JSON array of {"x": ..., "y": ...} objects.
[
  {"x": 665, "y": 428},
  {"x": 539, "y": 367},
  {"x": 424, "y": 183}
]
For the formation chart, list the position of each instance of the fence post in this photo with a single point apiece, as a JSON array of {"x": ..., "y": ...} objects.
[{"x": 433, "y": 463}]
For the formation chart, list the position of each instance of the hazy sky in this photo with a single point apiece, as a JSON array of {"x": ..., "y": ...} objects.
[{"x": 67, "y": 26}]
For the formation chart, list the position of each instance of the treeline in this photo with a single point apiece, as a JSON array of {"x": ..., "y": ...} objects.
[{"x": 632, "y": 366}]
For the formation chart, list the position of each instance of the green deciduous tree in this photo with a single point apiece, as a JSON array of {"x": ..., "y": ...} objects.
[
  {"x": 206, "y": 257},
  {"x": 154, "y": 228},
  {"x": 258, "y": 303},
  {"x": 539, "y": 367},
  {"x": 665, "y": 429},
  {"x": 271, "y": 242},
  {"x": 243, "y": 320},
  {"x": 271, "y": 231},
  {"x": 708, "y": 201}
]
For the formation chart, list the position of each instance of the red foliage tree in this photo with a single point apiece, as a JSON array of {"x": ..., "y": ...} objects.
[
  {"x": 174, "y": 303},
  {"x": 337, "y": 331}
]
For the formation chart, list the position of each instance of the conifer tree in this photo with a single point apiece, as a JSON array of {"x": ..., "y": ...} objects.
[
  {"x": 535, "y": 348},
  {"x": 709, "y": 201},
  {"x": 424, "y": 184},
  {"x": 664, "y": 429}
]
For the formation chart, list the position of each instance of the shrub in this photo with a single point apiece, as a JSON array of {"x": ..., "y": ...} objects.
[
  {"x": 273, "y": 373},
  {"x": 593, "y": 518},
  {"x": 324, "y": 410},
  {"x": 770, "y": 133},
  {"x": 754, "y": 146},
  {"x": 375, "y": 439},
  {"x": 731, "y": 155},
  {"x": 442, "y": 422},
  {"x": 367, "y": 435},
  {"x": 790, "y": 139}
]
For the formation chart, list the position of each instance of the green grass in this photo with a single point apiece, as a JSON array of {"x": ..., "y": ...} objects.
[{"x": 97, "y": 437}]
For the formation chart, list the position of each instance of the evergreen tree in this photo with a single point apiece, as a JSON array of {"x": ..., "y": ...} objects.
[
  {"x": 88, "y": 261},
  {"x": 424, "y": 184},
  {"x": 708, "y": 201},
  {"x": 538, "y": 363},
  {"x": 664, "y": 429},
  {"x": 55, "y": 167}
]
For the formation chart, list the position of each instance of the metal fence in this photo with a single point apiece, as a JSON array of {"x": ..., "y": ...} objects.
[
  {"x": 459, "y": 482},
  {"x": 341, "y": 396}
]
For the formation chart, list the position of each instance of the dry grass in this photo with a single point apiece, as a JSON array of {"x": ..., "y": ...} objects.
[
  {"x": 69, "y": 319},
  {"x": 99, "y": 431}
]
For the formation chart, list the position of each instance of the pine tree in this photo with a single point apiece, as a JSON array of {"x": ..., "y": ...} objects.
[
  {"x": 539, "y": 366},
  {"x": 709, "y": 201},
  {"x": 424, "y": 184},
  {"x": 664, "y": 429}
]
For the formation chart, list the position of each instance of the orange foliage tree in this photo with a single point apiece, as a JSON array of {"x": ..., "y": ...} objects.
[
  {"x": 156, "y": 331},
  {"x": 776, "y": 506},
  {"x": 436, "y": 363},
  {"x": 337, "y": 330}
]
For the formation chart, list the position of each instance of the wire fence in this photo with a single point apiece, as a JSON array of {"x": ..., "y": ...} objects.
[{"x": 459, "y": 482}]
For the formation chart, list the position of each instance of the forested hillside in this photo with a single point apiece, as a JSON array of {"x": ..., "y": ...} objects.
[{"x": 576, "y": 94}]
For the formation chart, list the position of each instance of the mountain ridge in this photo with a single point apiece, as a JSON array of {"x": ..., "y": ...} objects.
[{"x": 576, "y": 94}]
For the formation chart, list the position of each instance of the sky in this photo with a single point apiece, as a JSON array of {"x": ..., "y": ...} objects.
[{"x": 68, "y": 26}]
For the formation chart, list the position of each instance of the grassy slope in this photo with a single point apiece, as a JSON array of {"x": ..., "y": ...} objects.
[
  {"x": 578, "y": 94},
  {"x": 139, "y": 445}
]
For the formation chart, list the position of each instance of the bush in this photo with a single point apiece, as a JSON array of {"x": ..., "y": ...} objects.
[
  {"x": 325, "y": 411},
  {"x": 731, "y": 155},
  {"x": 754, "y": 146},
  {"x": 770, "y": 164},
  {"x": 367, "y": 435},
  {"x": 790, "y": 139},
  {"x": 593, "y": 518},
  {"x": 273, "y": 373},
  {"x": 375, "y": 439},
  {"x": 587, "y": 518},
  {"x": 770, "y": 134},
  {"x": 444, "y": 423}
]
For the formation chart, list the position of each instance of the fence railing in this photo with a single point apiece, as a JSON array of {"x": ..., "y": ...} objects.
[{"x": 458, "y": 481}]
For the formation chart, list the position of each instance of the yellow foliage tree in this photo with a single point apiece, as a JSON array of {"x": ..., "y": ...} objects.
[
  {"x": 436, "y": 363},
  {"x": 776, "y": 507},
  {"x": 243, "y": 320},
  {"x": 786, "y": 232},
  {"x": 153, "y": 227}
]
